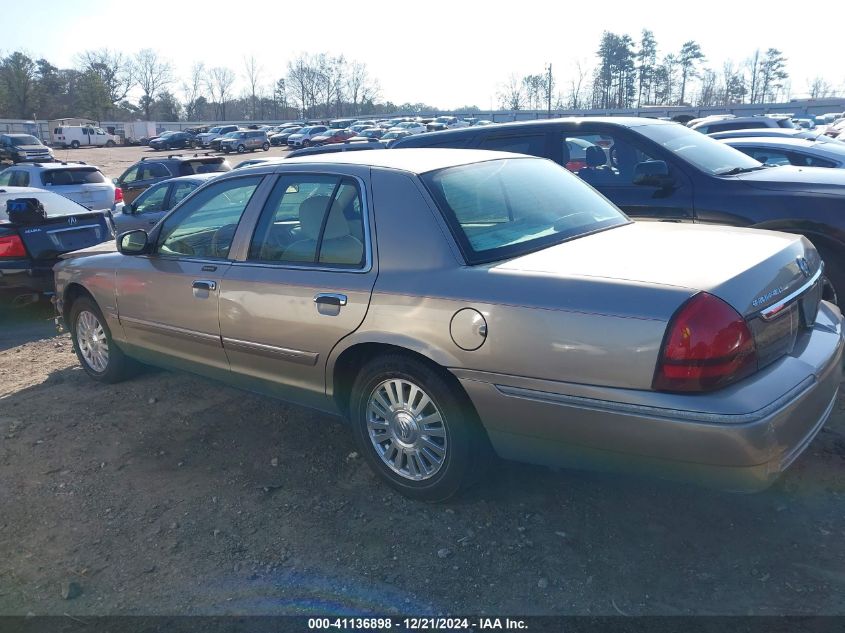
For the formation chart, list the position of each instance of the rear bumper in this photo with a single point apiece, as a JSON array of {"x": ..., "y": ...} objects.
[
  {"x": 17, "y": 277},
  {"x": 738, "y": 438}
]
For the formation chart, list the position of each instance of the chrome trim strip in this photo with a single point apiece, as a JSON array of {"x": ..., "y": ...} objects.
[
  {"x": 771, "y": 312},
  {"x": 162, "y": 328},
  {"x": 271, "y": 351},
  {"x": 659, "y": 412}
]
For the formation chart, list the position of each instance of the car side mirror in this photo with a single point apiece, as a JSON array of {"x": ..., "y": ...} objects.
[
  {"x": 131, "y": 208},
  {"x": 653, "y": 173},
  {"x": 133, "y": 242}
]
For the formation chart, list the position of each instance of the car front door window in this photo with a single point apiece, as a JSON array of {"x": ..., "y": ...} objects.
[
  {"x": 205, "y": 225},
  {"x": 152, "y": 200}
]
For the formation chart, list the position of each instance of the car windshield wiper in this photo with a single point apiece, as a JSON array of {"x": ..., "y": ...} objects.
[{"x": 733, "y": 171}]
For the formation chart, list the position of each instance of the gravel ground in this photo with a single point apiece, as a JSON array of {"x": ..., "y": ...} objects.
[
  {"x": 168, "y": 494},
  {"x": 113, "y": 161}
]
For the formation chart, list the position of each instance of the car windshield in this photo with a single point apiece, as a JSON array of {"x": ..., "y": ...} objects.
[
  {"x": 18, "y": 141},
  {"x": 703, "y": 152},
  {"x": 504, "y": 208},
  {"x": 54, "y": 204},
  {"x": 214, "y": 130}
]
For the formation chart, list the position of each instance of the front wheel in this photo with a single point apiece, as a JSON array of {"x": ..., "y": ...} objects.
[
  {"x": 266, "y": 147},
  {"x": 92, "y": 341},
  {"x": 306, "y": 143},
  {"x": 417, "y": 432},
  {"x": 241, "y": 149},
  {"x": 74, "y": 144},
  {"x": 109, "y": 143},
  {"x": 834, "y": 272}
]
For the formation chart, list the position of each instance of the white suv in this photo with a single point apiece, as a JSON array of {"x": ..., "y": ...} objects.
[{"x": 84, "y": 184}]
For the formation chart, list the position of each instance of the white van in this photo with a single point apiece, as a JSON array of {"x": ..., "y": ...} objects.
[{"x": 76, "y": 136}]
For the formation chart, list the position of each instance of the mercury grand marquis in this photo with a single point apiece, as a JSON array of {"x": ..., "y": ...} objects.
[{"x": 455, "y": 304}]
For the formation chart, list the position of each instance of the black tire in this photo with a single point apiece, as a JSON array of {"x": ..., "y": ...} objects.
[
  {"x": 241, "y": 148},
  {"x": 118, "y": 366},
  {"x": 834, "y": 271},
  {"x": 266, "y": 146},
  {"x": 74, "y": 144},
  {"x": 467, "y": 447},
  {"x": 306, "y": 143},
  {"x": 109, "y": 143}
]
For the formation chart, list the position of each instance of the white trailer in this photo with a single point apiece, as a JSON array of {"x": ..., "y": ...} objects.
[{"x": 139, "y": 131}]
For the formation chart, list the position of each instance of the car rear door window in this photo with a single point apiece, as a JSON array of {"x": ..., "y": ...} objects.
[
  {"x": 19, "y": 178},
  {"x": 767, "y": 155},
  {"x": 534, "y": 145},
  {"x": 311, "y": 220},
  {"x": 181, "y": 190},
  {"x": 205, "y": 226}
]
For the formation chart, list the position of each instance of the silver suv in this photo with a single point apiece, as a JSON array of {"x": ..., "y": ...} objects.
[{"x": 250, "y": 140}]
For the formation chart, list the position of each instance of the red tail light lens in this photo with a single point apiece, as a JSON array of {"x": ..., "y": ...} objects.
[
  {"x": 707, "y": 346},
  {"x": 118, "y": 194},
  {"x": 11, "y": 246}
]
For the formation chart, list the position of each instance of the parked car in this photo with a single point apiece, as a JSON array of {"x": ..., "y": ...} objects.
[
  {"x": 370, "y": 134},
  {"x": 446, "y": 123},
  {"x": 245, "y": 141},
  {"x": 174, "y": 140},
  {"x": 332, "y": 136},
  {"x": 148, "y": 171},
  {"x": 204, "y": 140},
  {"x": 651, "y": 168},
  {"x": 253, "y": 161},
  {"x": 76, "y": 136},
  {"x": 217, "y": 143},
  {"x": 157, "y": 200},
  {"x": 411, "y": 127},
  {"x": 304, "y": 136},
  {"x": 742, "y": 123},
  {"x": 388, "y": 138},
  {"x": 84, "y": 184},
  {"x": 528, "y": 315},
  {"x": 31, "y": 241},
  {"x": 341, "y": 124},
  {"x": 23, "y": 148},
  {"x": 777, "y": 132},
  {"x": 282, "y": 137},
  {"x": 773, "y": 151}
]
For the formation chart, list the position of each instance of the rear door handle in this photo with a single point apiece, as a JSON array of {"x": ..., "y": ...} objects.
[
  {"x": 330, "y": 298},
  {"x": 204, "y": 284}
]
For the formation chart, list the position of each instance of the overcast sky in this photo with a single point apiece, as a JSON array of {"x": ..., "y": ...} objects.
[{"x": 446, "y": 54}]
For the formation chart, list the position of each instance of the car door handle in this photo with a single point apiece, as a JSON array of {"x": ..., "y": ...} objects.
[
  {"x": 204, "y": 284},
  {"x": 330, "y": 298}
]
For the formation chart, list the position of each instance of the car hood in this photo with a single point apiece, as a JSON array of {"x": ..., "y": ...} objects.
[
  {"x": 762, "y": 264},
  {"x": 32, "y": 148},
  {"x": 789, "y": 178}
]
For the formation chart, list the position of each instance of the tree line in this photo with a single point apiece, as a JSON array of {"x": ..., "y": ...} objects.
[
  {"x": 629, "y": 74},
  {"x": 115, "y": 86}
]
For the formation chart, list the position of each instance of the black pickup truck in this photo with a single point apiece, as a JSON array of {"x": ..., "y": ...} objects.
[{"x": 658, "y": 170}]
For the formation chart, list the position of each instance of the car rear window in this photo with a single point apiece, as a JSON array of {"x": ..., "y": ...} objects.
[
  {"x": 203, "y": 166},
  {"x": 54, "y": 204},
  {"x": 57, "y": 177},
  {"x": 504, "y": 208}
]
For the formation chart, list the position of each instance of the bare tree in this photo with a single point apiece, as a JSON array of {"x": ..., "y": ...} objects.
[
  {"x": 575, "y": 85},
  {"x": 152, "y": 74},
  {"x": 253, "y": 77},
  {"x": 114, "y": 69},
  {"x": 220, "y": 81},
  {"x": 303, "y": 79},
  {"x": 819, "y": 88},
  {"x": 511, "y": 96},
  {"x": 192, "y": 89},
  {"x": 360, "y": 88}
]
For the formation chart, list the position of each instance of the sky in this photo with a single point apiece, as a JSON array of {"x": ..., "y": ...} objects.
[{"x": 445, "y": 54}]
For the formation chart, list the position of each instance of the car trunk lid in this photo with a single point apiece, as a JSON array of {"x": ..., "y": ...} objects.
[
  {"x": 53, "y": 236},
  {"x": 774, "y": 280}
]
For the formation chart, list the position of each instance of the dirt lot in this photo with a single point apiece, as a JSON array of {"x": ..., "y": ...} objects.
[
  {"x": 171, "y": 495},
  {"x": 113, "y": 161}
]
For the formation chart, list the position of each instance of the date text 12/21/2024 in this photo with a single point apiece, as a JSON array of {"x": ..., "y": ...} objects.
[{"x": 417, "y": 624}]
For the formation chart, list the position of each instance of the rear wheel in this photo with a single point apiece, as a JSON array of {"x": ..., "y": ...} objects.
[
  {"x": 417, "y": 432},
  {"x": 92, "y": 341}
]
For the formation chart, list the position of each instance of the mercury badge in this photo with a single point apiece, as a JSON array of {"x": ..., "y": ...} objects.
[{"x": 804, "y": 266}]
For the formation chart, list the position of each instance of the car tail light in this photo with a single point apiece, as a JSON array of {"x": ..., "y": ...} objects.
[
  {"x": 11, "y": 246},
  {"x": 707, "y": 346},
  {"x": 118, "y": 194}
]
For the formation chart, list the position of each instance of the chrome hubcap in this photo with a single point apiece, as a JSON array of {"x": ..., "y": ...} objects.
[
  {"x": 406, "y": 429},
  {"x": 92, "y": 341}
]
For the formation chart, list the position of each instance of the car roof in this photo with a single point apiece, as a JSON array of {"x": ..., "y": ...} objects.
[
  {"x": 55, "y": 165},
  {"x": 785, "y": 141},
  {"x": 414, "y": 160}
]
